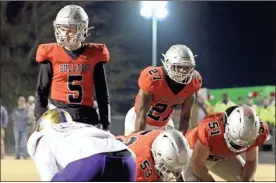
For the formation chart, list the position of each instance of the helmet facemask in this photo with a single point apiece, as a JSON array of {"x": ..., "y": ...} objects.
[
  {"x": 164, "y": 171},
  {"x": 179, "y": 72},
  {"x": 77, "y": 35},
  {"x": 234, "y": 146}
]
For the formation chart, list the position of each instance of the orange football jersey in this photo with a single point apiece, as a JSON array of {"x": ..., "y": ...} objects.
[
  {"x": 140, "y": 143},
  {"x": 210, "y": 132},
  {"x": 164, "y": 101},
  {"x": 73, "y": 80}
]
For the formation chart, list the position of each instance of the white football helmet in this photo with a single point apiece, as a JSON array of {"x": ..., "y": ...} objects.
[
  {"x": 71, "y": 15},
  {"x": 242, "y": 128},
  {"x": 179, "y": 62},
  {"x": 171, "y": 154}
]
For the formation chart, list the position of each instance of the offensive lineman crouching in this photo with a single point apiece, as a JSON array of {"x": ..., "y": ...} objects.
[
  {"x": 161, "y": 155},
  {"x": 219, "y": 140},
  {"x": 64, "y": 150}
]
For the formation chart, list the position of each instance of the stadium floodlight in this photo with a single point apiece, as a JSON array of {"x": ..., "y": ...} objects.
[{"x": 156, "y": 10}]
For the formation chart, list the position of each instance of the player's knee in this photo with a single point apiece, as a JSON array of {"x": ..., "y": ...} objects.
[
  {"x": 130, "y": 122},
  {"x": 128, "y": 131},
  {"x": 129, "y": 126}
]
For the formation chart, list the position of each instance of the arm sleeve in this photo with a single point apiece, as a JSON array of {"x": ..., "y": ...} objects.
[
  {"x": 103, "y": 53},
  {"x": 102, "y": 94},
  {"x": 45, "y": 162},
  {"x": 43, "y": 88}
]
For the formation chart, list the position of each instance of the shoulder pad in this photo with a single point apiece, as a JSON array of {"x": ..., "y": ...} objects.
[
  {"x": 197, "y": 80},
  {"x": 215, "y": 116},
  {"x": 147, "y": 80},
  {"x": 43, "y": 51},
  {"x": 263, "y": 133},
  {"x": 32, "y": 143},
  {"x": 99, "y": 51}
]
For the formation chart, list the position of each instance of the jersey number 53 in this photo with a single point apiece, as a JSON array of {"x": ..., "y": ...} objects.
[{"x": 144, "y": 165}]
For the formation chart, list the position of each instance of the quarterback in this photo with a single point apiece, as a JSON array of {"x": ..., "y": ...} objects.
[
  {"x": 219, "y": 140},
  {"x": 70, "y": 68},
  {"x": 162, "y": 89},
  {"x": 64, "y": 150},
  {"x": 160, "y": 155}
]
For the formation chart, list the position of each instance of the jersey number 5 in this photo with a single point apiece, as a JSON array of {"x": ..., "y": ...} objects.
[
  {"x": 214, "y": 128},
  {"x": 76, "y": 88}
]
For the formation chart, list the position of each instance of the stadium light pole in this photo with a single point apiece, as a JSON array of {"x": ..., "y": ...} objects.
[{"x": 156, "y": 10}]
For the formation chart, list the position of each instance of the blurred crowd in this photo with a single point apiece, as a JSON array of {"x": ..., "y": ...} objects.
[
  {"x": 23, "y": 123},
  {"x": 265, "y": 107}
]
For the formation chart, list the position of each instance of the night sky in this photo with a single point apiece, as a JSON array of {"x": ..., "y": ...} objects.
[{"x": 234, "y": 41}]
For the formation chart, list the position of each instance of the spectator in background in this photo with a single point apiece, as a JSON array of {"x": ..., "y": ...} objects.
[
  {"x": 240, "y": 101},
  {"x": 4, "y": 123},
  {"x": 272, "y": 99},
  {"x": 30, "y": 108},
  {"x": 264, "y": 111},
  {"x": 224, "y": 104},
  {"x": 266, "y": 114},
  {"x": 201, "y": 108},
  {"x": 250, "y": 103},
  {"x": 20, "y": 127}
]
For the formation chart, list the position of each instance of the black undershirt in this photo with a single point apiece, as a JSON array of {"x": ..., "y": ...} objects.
[
  {"x": 174, "y": 86},
  {"x": 74, "y": 54}
]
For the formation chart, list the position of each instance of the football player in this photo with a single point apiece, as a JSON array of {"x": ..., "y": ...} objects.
[
  {"x": 219, "y": 140},
  {"x": 162, "y": 89},
  {"x": 64, "y": 150},
  {"x": 160, "y": 155},
  {"x": 70, "y": 68}
]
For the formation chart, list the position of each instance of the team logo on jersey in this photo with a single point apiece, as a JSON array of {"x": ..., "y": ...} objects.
[{"x": 74, "y": 68}]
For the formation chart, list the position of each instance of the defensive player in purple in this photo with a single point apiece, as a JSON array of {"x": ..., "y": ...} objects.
[{"x": 64, "y": 150}]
